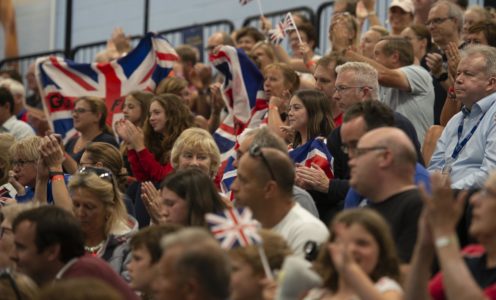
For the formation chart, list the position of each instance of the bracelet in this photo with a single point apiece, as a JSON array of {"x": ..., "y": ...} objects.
[
  {"x": 452, "y": 93},
  {"x": 272, "y": 106},
  {"x": 445, "y": 240},
  {"x": 55, "y": 173},
  {"x": 57, "y": 178},
  {"x": 310, "y": 64}
]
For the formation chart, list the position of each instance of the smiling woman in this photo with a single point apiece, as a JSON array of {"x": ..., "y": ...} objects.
[{"x": 149, "y": 150}]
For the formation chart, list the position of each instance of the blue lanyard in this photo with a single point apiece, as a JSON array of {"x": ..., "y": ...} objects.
[{"x": 460, "y": 145}]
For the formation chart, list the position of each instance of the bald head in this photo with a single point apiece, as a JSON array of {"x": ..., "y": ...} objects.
[{"x": 401, "y": 147}]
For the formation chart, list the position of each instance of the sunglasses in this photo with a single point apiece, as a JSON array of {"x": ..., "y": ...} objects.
[
  {"x": 103, "y": 173},
  {"x": 256, "y": 151}
]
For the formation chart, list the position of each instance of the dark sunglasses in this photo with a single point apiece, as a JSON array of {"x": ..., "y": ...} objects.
[{"x": 256, "y": 151}]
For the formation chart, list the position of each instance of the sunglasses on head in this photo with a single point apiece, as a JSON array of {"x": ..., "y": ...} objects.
[
  {"x": 103, "y": 173},
  {"x": 256, "y": 151}
]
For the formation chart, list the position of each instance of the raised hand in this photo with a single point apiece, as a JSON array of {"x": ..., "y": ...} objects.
[
  {"x": 443, "y": 211},
  {"x": 151, "y": 199}
]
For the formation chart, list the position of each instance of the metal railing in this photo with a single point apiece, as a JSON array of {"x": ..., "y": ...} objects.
[
  {"x": 277, "y": 16},
  {"x": 87, "y": 52},
  {"x": 22, "y": 62},
  {"x": 176, "y": 36}
]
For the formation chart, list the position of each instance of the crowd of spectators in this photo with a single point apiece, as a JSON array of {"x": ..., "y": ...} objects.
[{"x": 397, "y": 203}]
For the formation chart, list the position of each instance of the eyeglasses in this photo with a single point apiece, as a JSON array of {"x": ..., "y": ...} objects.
[
  {"x": 80, "y": 110},
  {"x": 357, "y": 152},
  {"x": 341, "y": 88},
  {"x": 4, "y": 230},
  {"x": 7, "y": 274},
  {"x": 350, "y": 147},
  {"x": 103, "y": 173},
  {"x": 20, "y": 162},
  {"x": 437, "y": 21},
  {"x": 256, "y": 151}
]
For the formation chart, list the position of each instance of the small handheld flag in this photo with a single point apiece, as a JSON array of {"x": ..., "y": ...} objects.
[
  {"x": 279, "y": 33},
  {"x": 236, "y": 227}
]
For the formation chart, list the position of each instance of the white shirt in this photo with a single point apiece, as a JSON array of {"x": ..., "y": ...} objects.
[
  {"x": 298, "y": 227},
  {"x": 18, "y": 129}
]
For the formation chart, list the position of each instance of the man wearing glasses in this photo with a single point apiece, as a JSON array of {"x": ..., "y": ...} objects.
[
  {"x": 445, "y": 23},
  {"x": 355, "y": 82},
  {"x": 382, "y": 170},
  {"x": 405, "y": 87},
  {"x": 264, "y": 183}
]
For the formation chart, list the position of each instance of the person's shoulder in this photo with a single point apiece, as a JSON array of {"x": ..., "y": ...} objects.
[
  {"x": 302, "y": 217},
  {"x": 106, "y": 138}
]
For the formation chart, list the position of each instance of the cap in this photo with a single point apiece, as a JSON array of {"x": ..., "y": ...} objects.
[{"x": 406, "y": 5}]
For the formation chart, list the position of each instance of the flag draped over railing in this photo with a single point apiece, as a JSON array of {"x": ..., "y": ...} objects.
[{"x": 62, "y": 81}]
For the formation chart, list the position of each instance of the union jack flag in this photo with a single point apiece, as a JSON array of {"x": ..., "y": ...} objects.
[
  {"x": 314, "y": 151},
  {"x": 244, "y": 2},
  {"x": 278, "y": 34},
  {"x": 245, "y": 102},
  {"x": 234, "y": 227},
  {"x": 62, "y": 81}
]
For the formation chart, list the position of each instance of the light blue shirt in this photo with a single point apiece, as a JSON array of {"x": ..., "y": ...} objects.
[{"x": 473, "y": 164}]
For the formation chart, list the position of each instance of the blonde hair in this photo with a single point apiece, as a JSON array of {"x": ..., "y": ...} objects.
[
  {"x": 198, "y": 140},
  {"x": 11, "y": 211},
  {"x": 110, "y": 157},
  {"x": 108, "y": 193},
  {"x": 6, "y": 141},
  {"x": 290, "y": 77},
  {"x": 275, "y": 246},
  {"x": 26, "y": 149}
]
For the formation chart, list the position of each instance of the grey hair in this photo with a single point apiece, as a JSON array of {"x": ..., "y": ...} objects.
[
  {"x": 364, "y": 74},
  {"x": 489, "y": 54},
  {"x": 454, "y": 11},
  {"x": 267, "y": 139}
]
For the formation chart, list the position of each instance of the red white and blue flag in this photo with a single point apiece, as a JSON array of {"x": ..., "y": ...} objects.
[
  {"x": 62, "y": 81},
  {"x": 245, "y": 101},
  {"x": 278, "y": 34},
  {"x": 234, "y": 227},
  {"x": 314, "y": 152}
]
